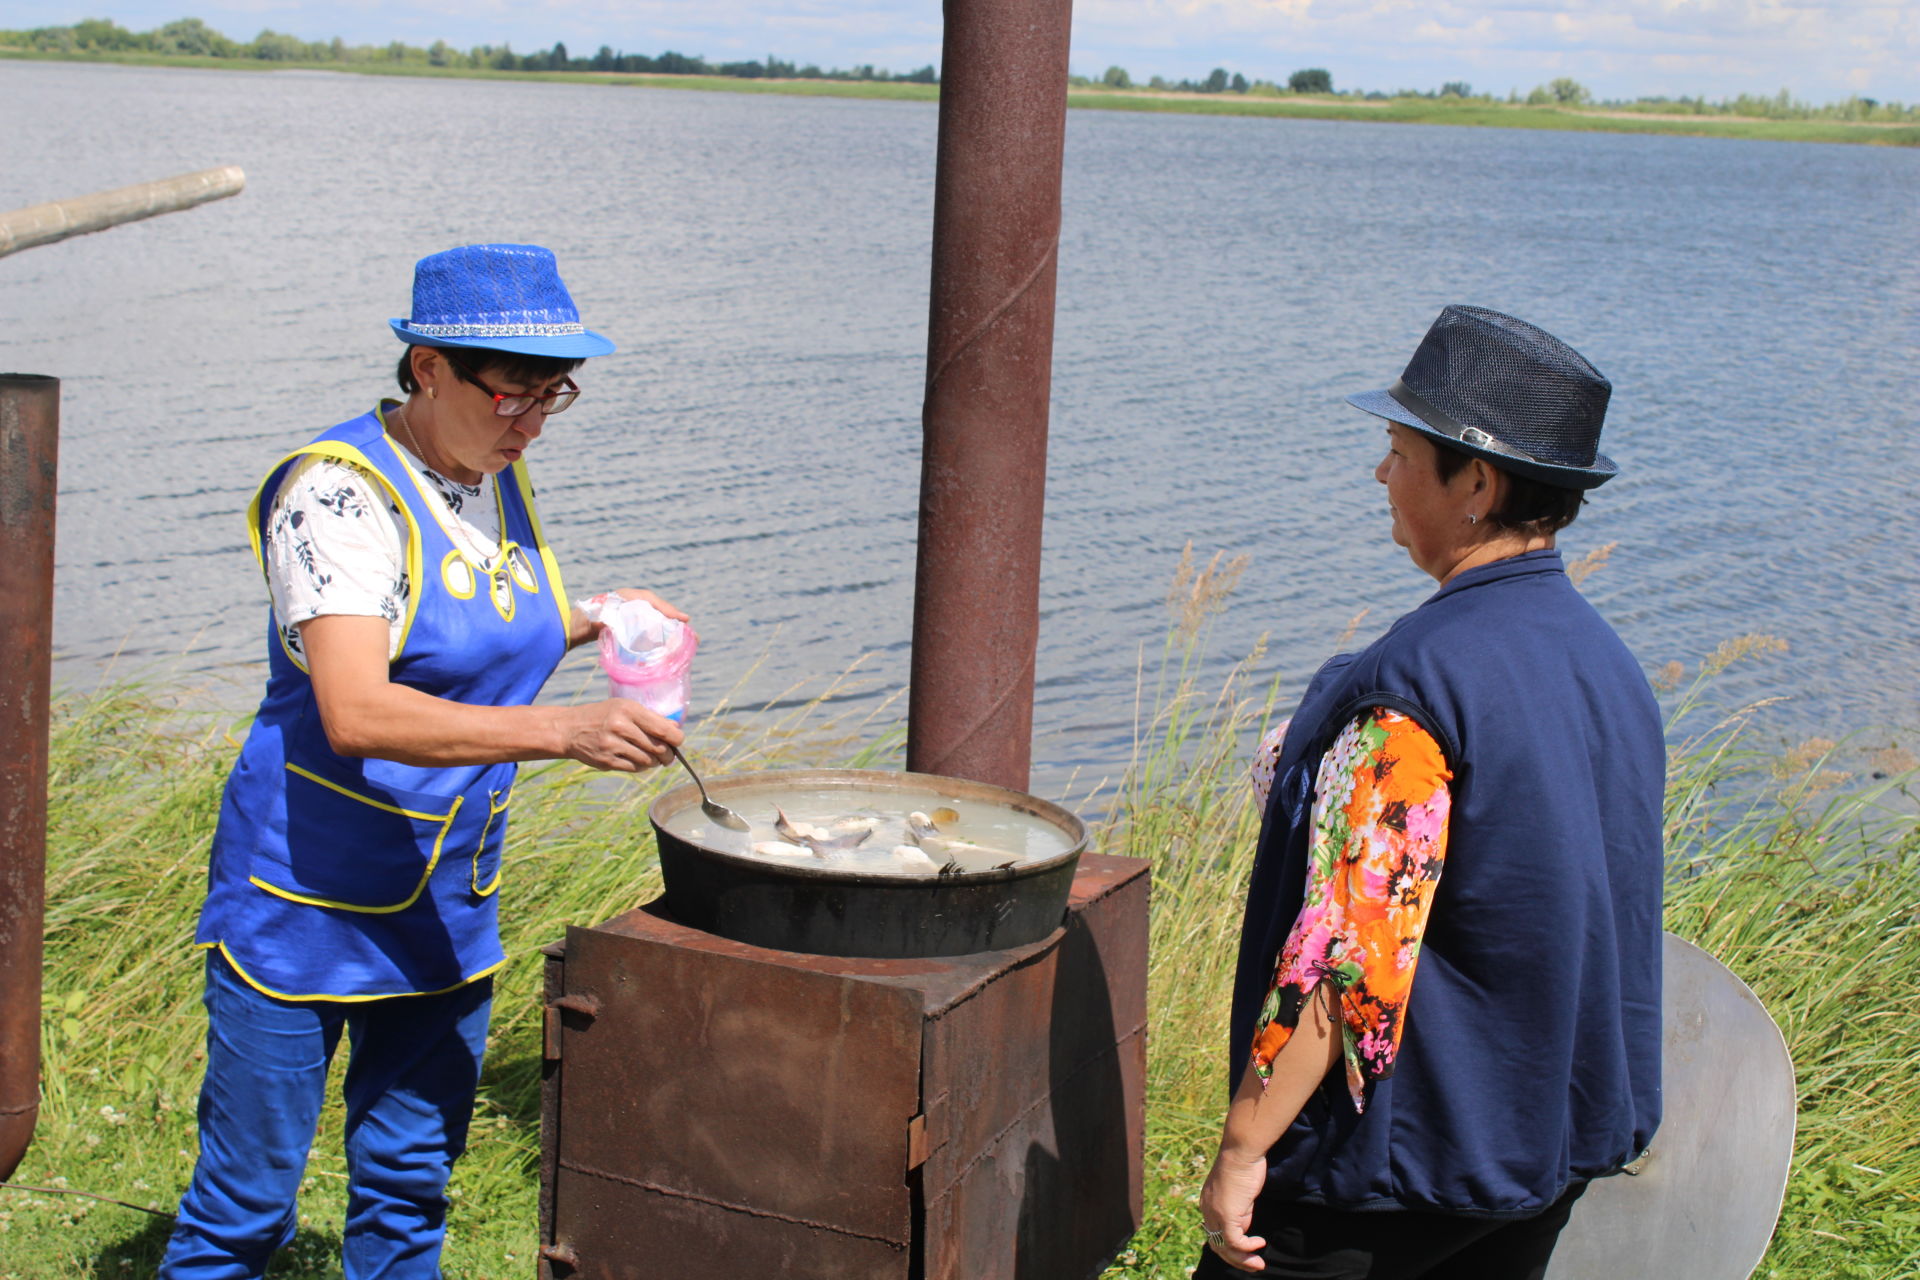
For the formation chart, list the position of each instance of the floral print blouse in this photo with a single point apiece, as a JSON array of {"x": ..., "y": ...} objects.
[{"x": 1377, "y": 846}]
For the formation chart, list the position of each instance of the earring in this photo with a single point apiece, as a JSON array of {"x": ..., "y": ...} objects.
[
  {"x": 432, "y": 394},
  {"x": 1472, "y": 518}
]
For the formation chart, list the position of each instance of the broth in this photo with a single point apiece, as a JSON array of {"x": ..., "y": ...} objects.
[{"x": 981, "y": 836}]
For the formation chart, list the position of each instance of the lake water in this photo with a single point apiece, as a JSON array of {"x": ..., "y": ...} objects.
[{"x": 752, "y": 451}]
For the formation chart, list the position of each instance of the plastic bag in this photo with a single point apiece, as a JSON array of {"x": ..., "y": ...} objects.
[{"x": 647, "y": 656}]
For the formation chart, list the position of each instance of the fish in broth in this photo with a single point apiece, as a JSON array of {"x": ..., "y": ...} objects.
[
  {"x": 926, "y": 850},
  {"x": 932, "y": 839},
  {"x": 954, "y": 855},
  {"x": 846, "y": 833},
  {"x": 808, "y": 840}
]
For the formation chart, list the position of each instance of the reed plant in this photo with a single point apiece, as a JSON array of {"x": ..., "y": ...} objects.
[{"x": 1804, "y": 880}]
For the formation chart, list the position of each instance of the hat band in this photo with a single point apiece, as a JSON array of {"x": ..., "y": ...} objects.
[
  {"x": 1446, "y": 426},
  {"x": 498, "y": 330}
]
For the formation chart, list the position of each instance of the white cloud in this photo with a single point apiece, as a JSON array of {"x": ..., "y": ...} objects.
[
  {"x": 1625, "y": 47},
  {"x": 1473, "y": 35}
]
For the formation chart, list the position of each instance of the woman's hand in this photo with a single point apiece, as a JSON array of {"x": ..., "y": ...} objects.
[
  {"x": 1257, "y": 1118},
  {"x": 618, "y": 734},
  {"x": 581, "y": 628},
  {"x": 1226, "y": 1206},
  {"x": 636, "y": 593}
]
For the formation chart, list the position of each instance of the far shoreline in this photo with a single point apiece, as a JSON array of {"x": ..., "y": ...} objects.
[{"x": 1460, "y": 112}]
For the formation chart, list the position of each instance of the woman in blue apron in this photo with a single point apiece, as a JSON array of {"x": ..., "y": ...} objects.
[
  {"x": 355, "y": 870},
  {"x": 1446, "y": 1015}
]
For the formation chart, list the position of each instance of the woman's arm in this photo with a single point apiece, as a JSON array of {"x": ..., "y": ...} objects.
[
  {"x": 366, "y": 714},
  {"x": 1376, "y": 847},
  {"x": 1256, "y": 1119}
]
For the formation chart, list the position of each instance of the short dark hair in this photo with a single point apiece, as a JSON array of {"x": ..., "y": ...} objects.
[
  {"x": 1532, "y": 506},
  {"x": 511, "y": 366}
]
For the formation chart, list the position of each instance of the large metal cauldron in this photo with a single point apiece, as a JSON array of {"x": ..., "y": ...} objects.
[{"x": 826, "y": 911}]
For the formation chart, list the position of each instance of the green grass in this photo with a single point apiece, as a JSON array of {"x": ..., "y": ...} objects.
[
  {"x": 1451, "y": 111},
  {"x": 1805, "y": 883},
  {"x": 906, "y": 90},
  {"x": 1479, "y": 113}
]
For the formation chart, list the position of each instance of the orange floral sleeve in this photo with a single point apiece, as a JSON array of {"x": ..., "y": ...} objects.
[{"x": 1376, "y": 850}]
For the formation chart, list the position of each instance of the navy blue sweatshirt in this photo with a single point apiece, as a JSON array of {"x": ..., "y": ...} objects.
[{"x": 1531, "y": 1054}]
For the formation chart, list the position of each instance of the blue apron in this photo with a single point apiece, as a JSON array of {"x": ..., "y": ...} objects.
[{"x": 336, "y": 878}]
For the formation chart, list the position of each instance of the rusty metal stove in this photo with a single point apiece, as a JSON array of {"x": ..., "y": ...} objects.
[{"x": 714, "y": 1109}]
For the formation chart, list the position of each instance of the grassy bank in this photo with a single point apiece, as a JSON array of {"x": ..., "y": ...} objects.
[
  {"x": 1478, "y": 113},
  {"x": 1806, "y": 884}
]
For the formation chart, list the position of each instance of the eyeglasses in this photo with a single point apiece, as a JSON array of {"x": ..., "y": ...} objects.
[{"x": 512, "y": 406}]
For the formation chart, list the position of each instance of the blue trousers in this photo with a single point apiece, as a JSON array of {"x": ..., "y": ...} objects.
[{"x": 413, "y": 1064}]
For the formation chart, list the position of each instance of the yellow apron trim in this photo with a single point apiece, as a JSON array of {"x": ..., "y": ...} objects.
[
  {"x": 311, "y": 776},
  {"x": 498, "y": 578},
  {"x": 525, "y": 488},
  {"x": 259, "y": 552},
  {"x": 500, "y": 568},
  {"x": 321, "y": 995},
  {"x": 345, "y": 453},
  {"x": 493, "y": 811},
  {"x": 446, "y": 580},
  {"x": 520, "y": 568},
  {"x": 438, "y": 506},
  {"x": 446, "y": 824},
  {"x": 497, "y": 566}
]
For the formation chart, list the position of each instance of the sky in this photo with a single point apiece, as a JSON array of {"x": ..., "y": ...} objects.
[{"x": 1820, "y": 50}]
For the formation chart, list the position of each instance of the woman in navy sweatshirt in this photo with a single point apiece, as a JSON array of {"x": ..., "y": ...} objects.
[{"x": 1446, "y": 1015}]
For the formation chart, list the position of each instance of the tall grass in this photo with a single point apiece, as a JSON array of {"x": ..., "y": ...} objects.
[{"x": 1806, "y": 882}]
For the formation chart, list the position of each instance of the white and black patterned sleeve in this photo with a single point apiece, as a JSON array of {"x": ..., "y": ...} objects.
[{"x": 335, "y": 544}]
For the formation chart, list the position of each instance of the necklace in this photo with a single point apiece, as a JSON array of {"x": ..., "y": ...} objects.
[
  {"x": 400, "y": 413},
  {"x": 456, "y": 528}
]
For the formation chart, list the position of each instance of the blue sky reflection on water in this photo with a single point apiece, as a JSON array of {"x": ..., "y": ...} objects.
[{"x": 752, "y": 452}]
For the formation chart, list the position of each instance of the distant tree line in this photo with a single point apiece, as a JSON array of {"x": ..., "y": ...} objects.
[
  {"x": 1219, "y": 80},
  {"x": 1781, "y": 106},
  {"x": 1561, "y": 92},
  {"x": 190, "y": 37}
]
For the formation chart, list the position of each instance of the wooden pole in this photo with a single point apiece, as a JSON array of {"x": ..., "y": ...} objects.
[{"x": 46, "y": 223}]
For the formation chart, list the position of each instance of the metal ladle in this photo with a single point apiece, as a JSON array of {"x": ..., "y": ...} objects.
[{"x": 708, "y": 805}]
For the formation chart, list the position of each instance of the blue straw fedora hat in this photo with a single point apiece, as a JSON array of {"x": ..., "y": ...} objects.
[
  {"x": 1506, "y": 391},
  {"x": 504, "y": 297}
]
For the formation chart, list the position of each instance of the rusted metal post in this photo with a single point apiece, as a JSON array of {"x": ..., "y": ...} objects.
[
  {"x": 29, "y": 449},
  {"x": 60, "y": 219},
  {"x": 996, "y": 233}
]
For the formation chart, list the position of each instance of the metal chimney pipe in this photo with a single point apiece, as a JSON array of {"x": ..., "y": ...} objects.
[
  {"x": 996, "y": 235},
  {"x": 29, "y": 450}
]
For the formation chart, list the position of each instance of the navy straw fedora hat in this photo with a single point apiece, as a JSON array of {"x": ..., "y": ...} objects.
[
  {"x": 1506, "y": 391},
  {"x": 504, "y": 297}
]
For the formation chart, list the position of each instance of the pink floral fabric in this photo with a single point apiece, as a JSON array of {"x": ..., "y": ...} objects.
[{"x": 1376, "y": 850}]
